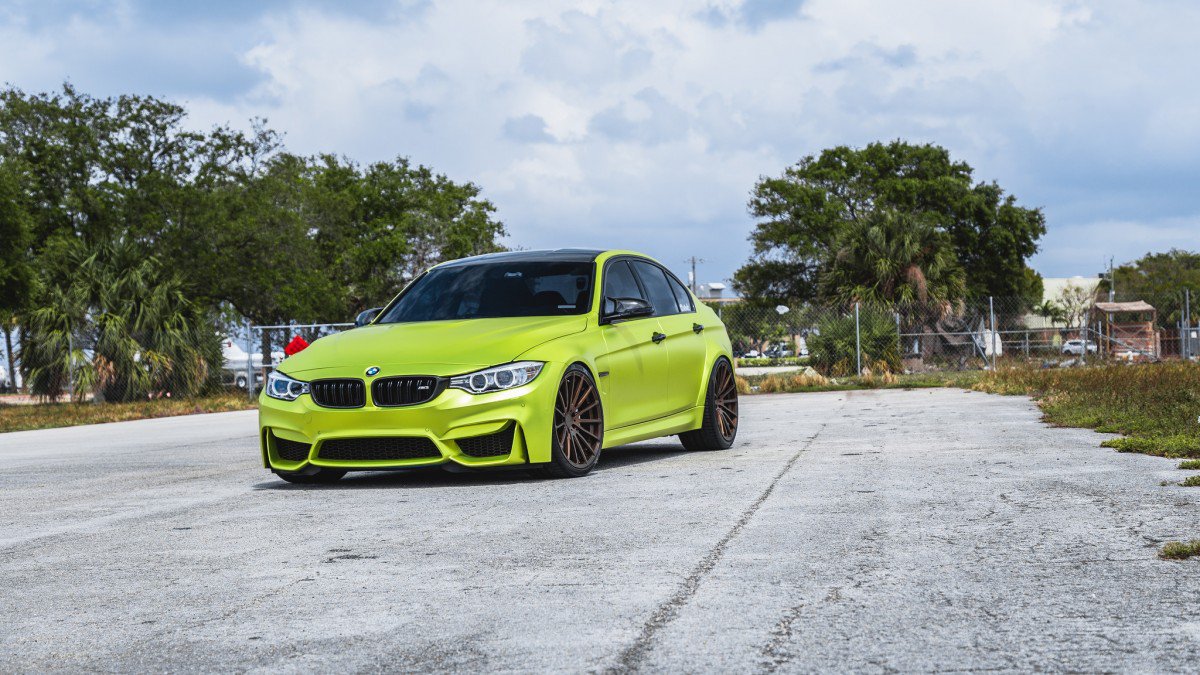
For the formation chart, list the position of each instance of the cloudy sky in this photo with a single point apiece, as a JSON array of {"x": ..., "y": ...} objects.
[{"x": 644, "y": 124}]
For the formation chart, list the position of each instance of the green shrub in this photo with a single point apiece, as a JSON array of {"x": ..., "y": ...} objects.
[
  {"x": 832, "y": 348},
  {"x": 1178, "y": 550}
]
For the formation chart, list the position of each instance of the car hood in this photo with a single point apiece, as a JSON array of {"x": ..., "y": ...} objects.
[{"x": 431, "y": 347}]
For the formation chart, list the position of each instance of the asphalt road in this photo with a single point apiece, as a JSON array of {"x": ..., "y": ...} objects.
[{"x": 868, "y": 531}]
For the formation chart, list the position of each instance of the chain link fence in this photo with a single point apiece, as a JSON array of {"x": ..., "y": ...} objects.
[
  {"x": 268, "y": 346},
  {"x": 834, "y": 340},
  {"x": 981, "y": 334},
  {"x": 84, "y": 370}
]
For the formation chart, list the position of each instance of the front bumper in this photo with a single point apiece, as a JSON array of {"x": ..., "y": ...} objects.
[{"x": 451, "y": 416}]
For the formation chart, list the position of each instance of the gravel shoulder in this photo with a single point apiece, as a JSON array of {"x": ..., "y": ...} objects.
[{"x": 871, "y": 530}]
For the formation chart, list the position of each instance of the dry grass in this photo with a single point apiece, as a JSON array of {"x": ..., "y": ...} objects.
[
  {"x": 783, "y": 382},
  {"x": 50, "y": 415},
  {"x": 1178, "y": 550},
  {"x": 812, "y": 381},
  {"x": 1154, "y": 406}
]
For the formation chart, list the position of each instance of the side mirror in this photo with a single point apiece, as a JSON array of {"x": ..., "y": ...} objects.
[
  {"x": 627, "y": 308},
  {"x": 366, "y": 317}
]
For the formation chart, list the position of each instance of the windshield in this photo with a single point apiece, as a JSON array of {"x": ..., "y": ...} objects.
[{"x": 495, "y": 289}]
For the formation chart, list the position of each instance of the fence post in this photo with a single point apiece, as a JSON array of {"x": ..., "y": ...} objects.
[
  {"x": 250, "y": 361},
  {"x": 1083, "y": 331},
  {"x": 70, "y": 364},
  {"x": 992, "y": 337},
  {"x": 1187, "y": 322},
  {"x": 899, "y": 340},
  {"x": 857, "y": 341}
]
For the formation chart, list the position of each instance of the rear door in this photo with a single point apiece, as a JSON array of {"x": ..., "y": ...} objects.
[
  {"x": 633, "y": 371},
  {"x": 686, "y": 349}
]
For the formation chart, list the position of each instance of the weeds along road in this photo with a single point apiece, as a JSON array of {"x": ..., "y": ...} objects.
[{"x": 844, "y": 531}]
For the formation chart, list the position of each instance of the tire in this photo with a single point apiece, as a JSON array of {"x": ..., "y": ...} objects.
[
  {"x": 719, "y": 428},
  {"x": 577, "y": 434},
  {"x": 240, "y": 382},
  {"x": 311, "y": 476}
]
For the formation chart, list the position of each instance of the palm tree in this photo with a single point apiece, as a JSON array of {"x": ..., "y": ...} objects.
[
  {"x": 123, "y": 328},
  {"x": 890, "y": 258}
]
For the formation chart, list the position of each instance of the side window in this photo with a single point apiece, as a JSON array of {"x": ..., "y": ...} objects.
[
  {"x": 619, "y": 283},
  {"x": 662, "y": 298},
  {"x": 681, "y": 295}
]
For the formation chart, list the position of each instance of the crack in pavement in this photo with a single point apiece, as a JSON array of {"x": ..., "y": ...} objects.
[{"x": 631, "y": 657}]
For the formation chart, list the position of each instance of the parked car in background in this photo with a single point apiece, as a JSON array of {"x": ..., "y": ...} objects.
[
  {"x": 1076, "y": 347},
  {"x": 233, "y": 371}
]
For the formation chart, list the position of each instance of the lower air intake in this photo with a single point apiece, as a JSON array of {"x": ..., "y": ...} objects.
[
  {"x": 382, "y": 448},
  {"x": 291, "y": 451},
  {"x": 491, "y": 445}
]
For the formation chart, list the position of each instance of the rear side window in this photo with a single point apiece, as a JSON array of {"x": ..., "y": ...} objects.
[
  {"x": 619, "y": 283},
  {"x": 662, "y": 298},
  {"x": 681, "y": 295}
]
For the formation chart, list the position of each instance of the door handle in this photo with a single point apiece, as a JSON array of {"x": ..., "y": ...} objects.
[
  {"x": 697, "y": 328},
  {"x": 658, "y": 337}
]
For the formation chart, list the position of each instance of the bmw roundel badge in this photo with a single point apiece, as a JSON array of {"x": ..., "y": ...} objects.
[{"x": 372, "y": 371}]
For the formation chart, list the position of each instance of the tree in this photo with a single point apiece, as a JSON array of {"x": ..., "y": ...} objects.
[
  {"x": 16, "y": 272},
  {"x": 889, "y": 258},
  {"x": 1160, "y": 279},
  {"x": 805, "y": 215},
  {"x": 1075, "y": 303},
  {"x": 121, "y": 328},
  {"x": 245, "y": 227}
]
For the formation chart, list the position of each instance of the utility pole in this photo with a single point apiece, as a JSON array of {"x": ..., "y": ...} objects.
[
  {"x": 693, "y": 260},
  {"x": 1112, "y": 282}
]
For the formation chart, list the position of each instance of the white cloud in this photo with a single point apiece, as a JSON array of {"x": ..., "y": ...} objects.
[{"x": 644, "y": 125}]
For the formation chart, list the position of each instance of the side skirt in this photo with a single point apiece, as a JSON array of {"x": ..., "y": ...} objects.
[{"x": 684, "y": 420}]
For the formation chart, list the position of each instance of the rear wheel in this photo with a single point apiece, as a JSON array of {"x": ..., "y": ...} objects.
[
  {"x": 311, "y": 476},
  {"x": 720, "y": 412},
  {"x": 578, "y": 432}
]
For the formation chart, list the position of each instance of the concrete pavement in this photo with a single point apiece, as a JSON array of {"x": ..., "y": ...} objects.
[{"x": 922, "y": 530}]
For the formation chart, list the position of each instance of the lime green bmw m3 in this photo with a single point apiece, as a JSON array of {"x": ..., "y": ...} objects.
[{"x": 532, "y": 358}]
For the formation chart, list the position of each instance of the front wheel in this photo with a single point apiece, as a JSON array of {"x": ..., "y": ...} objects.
[
  {"x": 720, "y": 412},
  {"x": 578, "y": 432}
]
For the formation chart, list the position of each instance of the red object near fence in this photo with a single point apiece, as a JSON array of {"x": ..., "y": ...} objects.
[{"x": 295, "y": 346}]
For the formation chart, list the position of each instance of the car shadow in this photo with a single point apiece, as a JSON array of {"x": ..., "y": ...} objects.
[
  {"x": 437, "y": 477},
  {"x": 629, "y": 455}
]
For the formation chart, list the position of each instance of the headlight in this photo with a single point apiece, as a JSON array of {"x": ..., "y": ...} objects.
[
  {"x": 498, "y": 378},
  {"x": 284, "y": 388}
]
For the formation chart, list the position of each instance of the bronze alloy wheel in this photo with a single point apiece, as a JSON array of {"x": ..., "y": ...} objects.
[
  {"x": 720, "y": 423},
  {"x": 578, "y": 420},
  {"x": 725, "y": 400}
]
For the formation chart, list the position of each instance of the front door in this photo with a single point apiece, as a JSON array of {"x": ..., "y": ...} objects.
[
  {"x": 686, "y": 346},
  {"x": 633, "y": 372}
]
